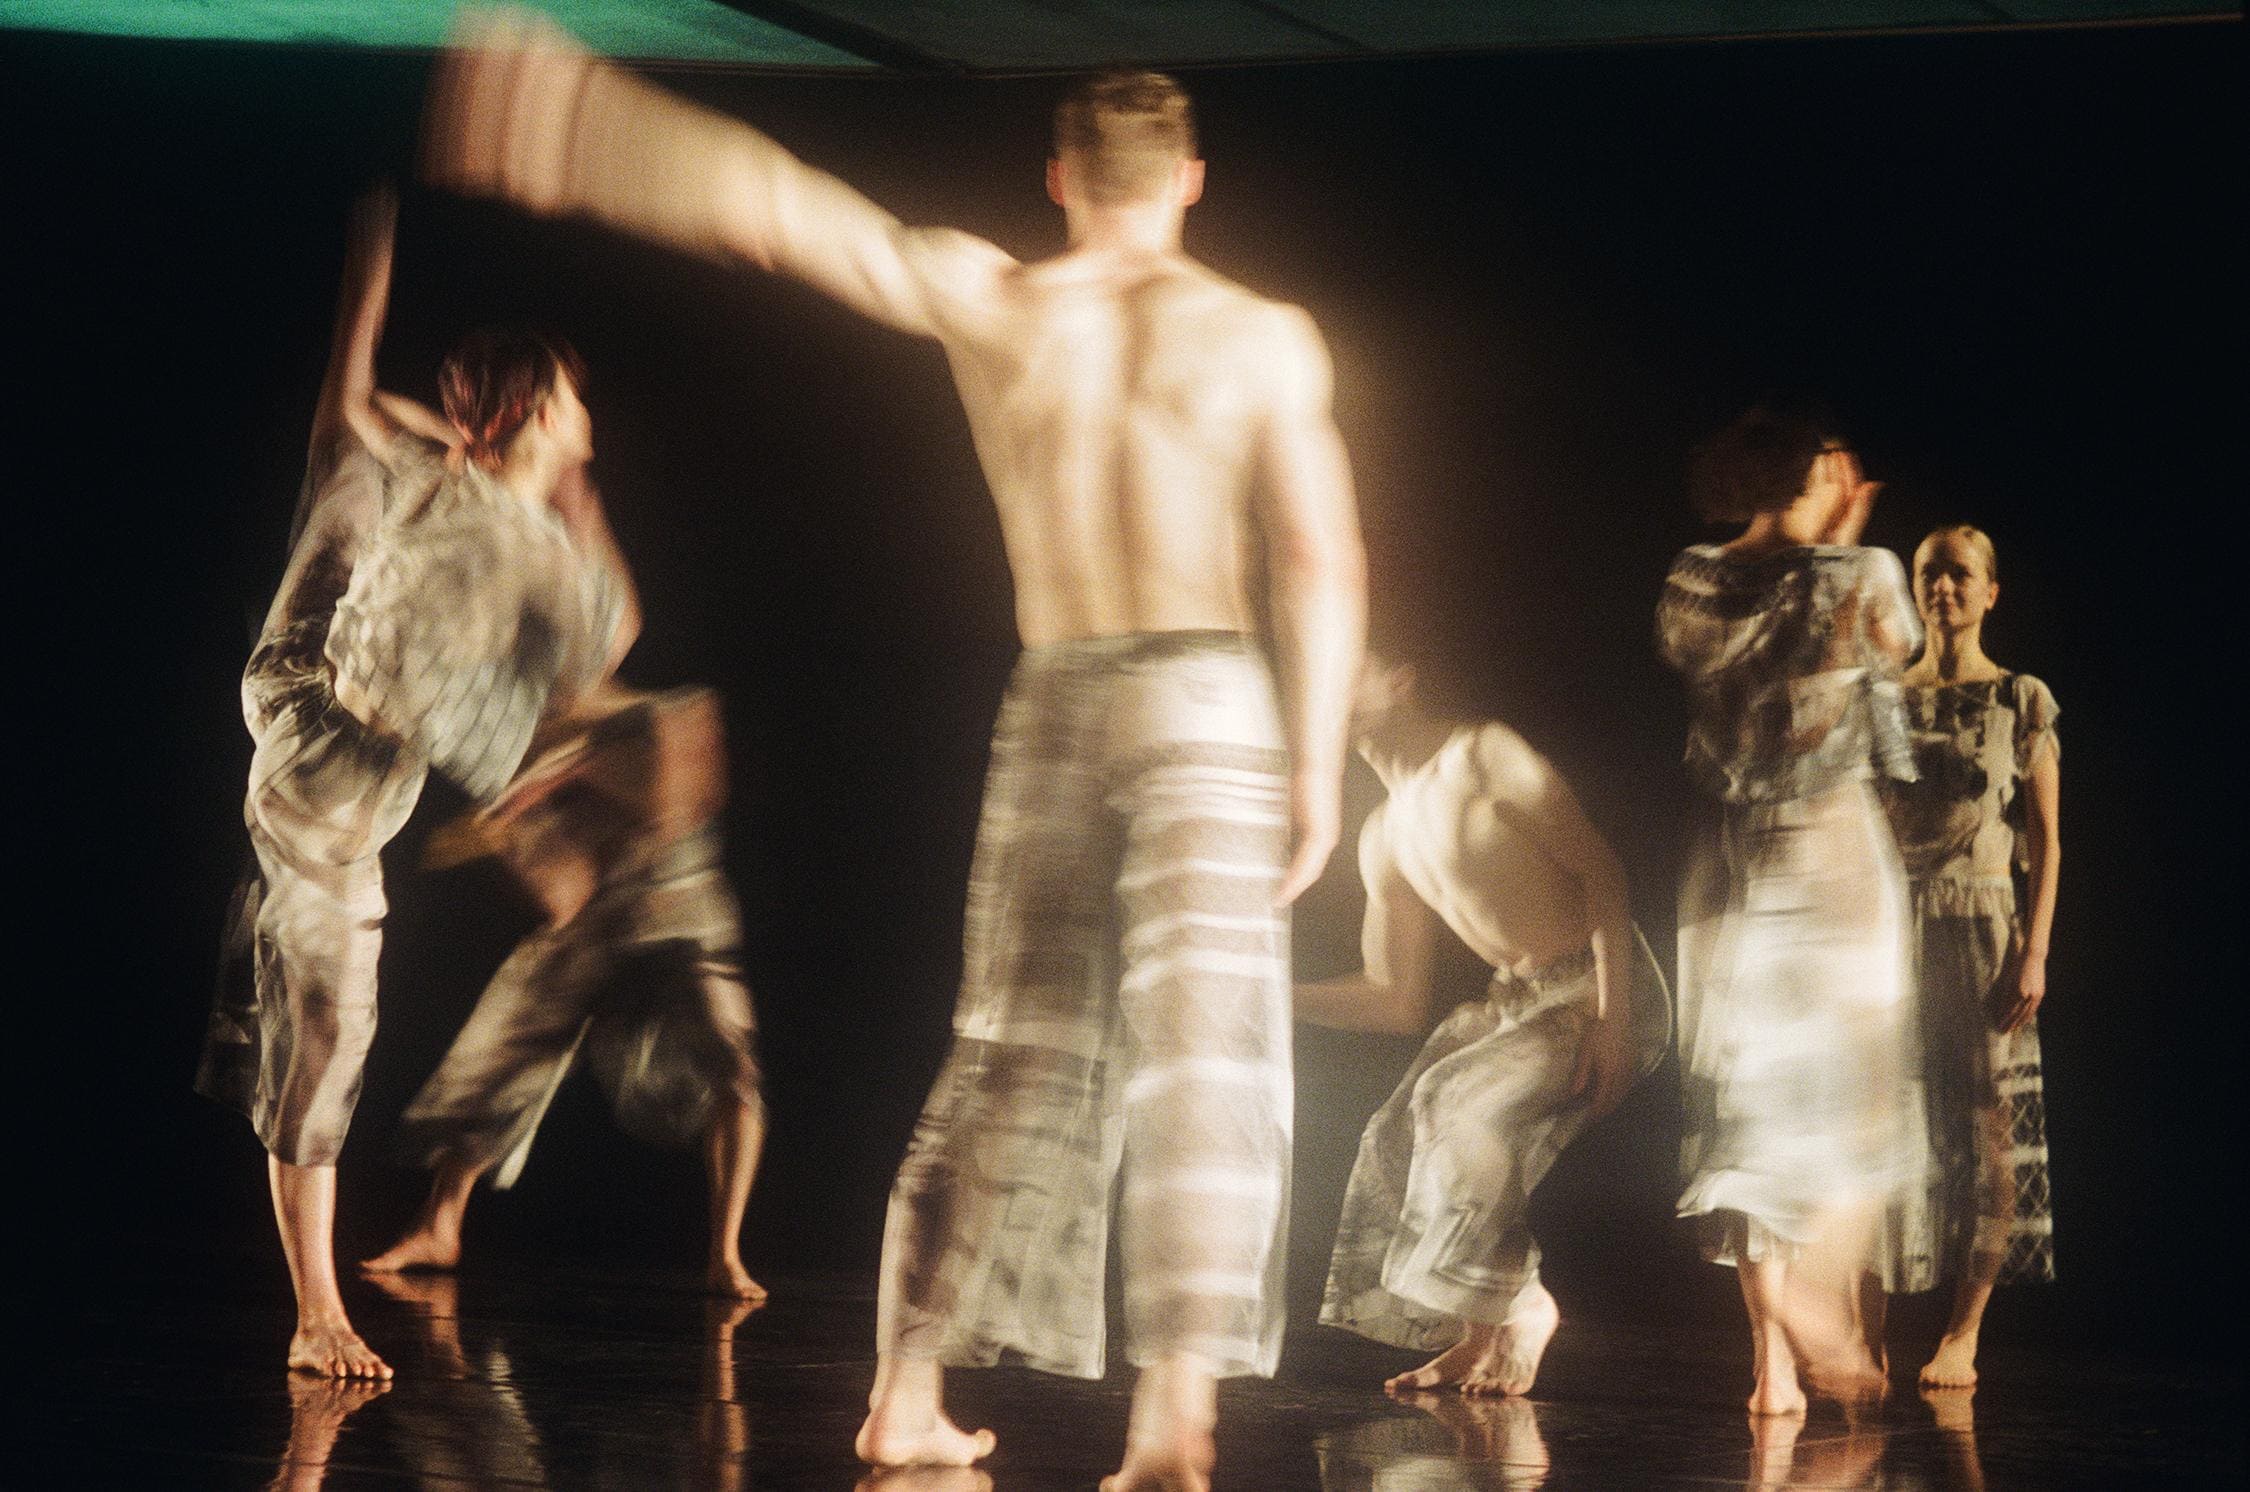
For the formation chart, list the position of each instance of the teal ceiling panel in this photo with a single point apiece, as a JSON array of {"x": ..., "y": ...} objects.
[{"x": 673, "y": 30}]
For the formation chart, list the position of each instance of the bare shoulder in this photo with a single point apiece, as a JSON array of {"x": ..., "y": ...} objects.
[
  {"x": 1507, "y": 766},
  {"x": 964, "y": 278}
]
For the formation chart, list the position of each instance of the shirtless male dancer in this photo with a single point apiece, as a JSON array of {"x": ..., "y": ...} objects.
[
  {"x": 392, "y": 646},
  {"x": 1481, "y": 835},
  {"x": 1142, "y": 424}
]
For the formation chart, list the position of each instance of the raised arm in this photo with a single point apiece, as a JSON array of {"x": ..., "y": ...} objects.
[
  {"x": 1390, "y": 994},
  {"x": 520, "y": 111},
  {"x": 1525, "y": 788},
  {"x": 349, "y": 400},
  {"x": 1317, "y": 573}
]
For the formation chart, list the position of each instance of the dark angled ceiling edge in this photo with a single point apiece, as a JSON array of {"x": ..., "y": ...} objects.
[
  {"x": 861, "y": 40},
  {"x": 860, "y": 36}
]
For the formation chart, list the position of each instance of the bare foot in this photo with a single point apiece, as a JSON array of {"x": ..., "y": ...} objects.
[
  {"x": 888, "y": 1439},
  {"x": 1830, "y": 1350},
  {"x": 1850, "y": 1379},
  {"x": 1168, "y": 1445},
  {"x": 1450, "y": 1366},
  {"x": 728, "y": 1277},
  {"x": 331, "y": 1349},
  {"x": 1510, "y": 1361},
  {"x": 1777, "y": 1394},
  {"x": 1954, "y": 1366},
  {"x": 423, "y": 1248}
]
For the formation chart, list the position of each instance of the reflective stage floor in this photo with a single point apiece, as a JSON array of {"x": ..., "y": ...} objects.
[{"x": 576, "y": 1378}]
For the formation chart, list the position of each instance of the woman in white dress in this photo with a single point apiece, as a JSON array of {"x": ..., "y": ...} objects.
[
  {"x": 1981, "y": 811},
  {"x": 1796, "y": 1012}
]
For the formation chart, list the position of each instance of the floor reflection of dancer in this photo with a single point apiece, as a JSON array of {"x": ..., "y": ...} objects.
[
  {"x": 637, "y": 971},
  {"x": 1987, "y": 794},
  {"x": 1146, "y": 428},
  {"x": 1462, "y": 1445},
  {"x": 396, "y": 642},
  {"x": 463, "y": 1421},
  {"x": 1481, "y": 835},
  {"x": 1796, "y": 1009}
]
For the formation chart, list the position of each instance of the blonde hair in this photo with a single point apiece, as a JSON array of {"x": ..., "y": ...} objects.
[
  {"x": 1969, "y": 534},
  {"x": 1127, "y": 131}
]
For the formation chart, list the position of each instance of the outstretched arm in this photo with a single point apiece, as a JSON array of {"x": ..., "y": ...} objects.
[
  {"x": 1390, "y": 994},
  {"x": 518, "y": 110},
  {"x": 1525, "y": 788},
  {"x": 349, "y": 400},
  {"x": 1317, "y": 572}
]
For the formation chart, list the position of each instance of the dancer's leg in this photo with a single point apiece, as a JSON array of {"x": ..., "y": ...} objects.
[
  {"x": 304, "y": 1206},
  {"x": 433, "y": 1240},
  {"x": 1764, "y": 1282},
  {"x": 1168, "y": 1444},
  {"x": 906, "y": 1421},
  {"x": 1819, "y": 1305},
  {"x": 1955, "y": 1363},
  {"x": 738, "y": 1136}
]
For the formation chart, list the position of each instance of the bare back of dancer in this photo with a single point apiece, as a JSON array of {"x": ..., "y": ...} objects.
[{"x": 1149, "y": 431}]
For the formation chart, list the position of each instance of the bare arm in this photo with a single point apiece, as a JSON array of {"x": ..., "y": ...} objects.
[
  {"x": 1390, "y": 994},
  {"x": 349, "y": 400},
  {"x": 580, "y": 505},
  {"x": 1525, "y": 788},
  {"x": 2043, "y": 841},
  {"x": 520, "y": 111},
  {"x": 1309, "y": 522}
]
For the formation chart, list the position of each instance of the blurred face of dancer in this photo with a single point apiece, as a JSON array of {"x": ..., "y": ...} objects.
[
  {"x": 563, "y": 419},
  {"x": 1953, "y": 584}
]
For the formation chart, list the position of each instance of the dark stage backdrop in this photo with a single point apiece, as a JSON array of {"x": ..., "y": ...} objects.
[{"x": 1543, "y": 276}]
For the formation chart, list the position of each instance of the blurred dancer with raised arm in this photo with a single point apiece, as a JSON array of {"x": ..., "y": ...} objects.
[
  {"x": 613, "y": 831},
  {"x": 1798, "y": 1059},
  {"x": 1480, "y": 835},
  {"x": 1147, "y": 428},
  {"x": 430, "y": 612}
]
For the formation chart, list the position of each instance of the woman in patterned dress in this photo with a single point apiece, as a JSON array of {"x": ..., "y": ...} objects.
[
  {"x": 1981, "y": 811},
  {"x": 1796, "y": 1021}
]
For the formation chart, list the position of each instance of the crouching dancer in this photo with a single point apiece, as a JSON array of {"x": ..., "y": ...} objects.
[
  {"x": 1479, "y": 834},
  {"x": 612, "y": 829},
  {"x": 432, "y": 608}
]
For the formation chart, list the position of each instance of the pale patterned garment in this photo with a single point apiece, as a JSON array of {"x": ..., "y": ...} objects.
[
  {"x": 459, "y": 610},
  {"x": 1959, "y": 827},
  {"x": 1797, "y": 1020},
  {"x": 1125, "y": 1001},
  {"x": 644, "y": 985},
  {"x": 1435, "y": 1229}
]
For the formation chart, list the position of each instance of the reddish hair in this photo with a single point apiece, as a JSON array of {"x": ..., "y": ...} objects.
[{"x": 493, "y": 382}]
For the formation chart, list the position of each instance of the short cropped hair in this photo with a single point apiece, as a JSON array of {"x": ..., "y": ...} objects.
[
  {"x": 494, "y": 381},
  {"x": 1758, "y": 464},
  {"x": 1125, "y": 131},
  {"x": 1968, "y": 533}
]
